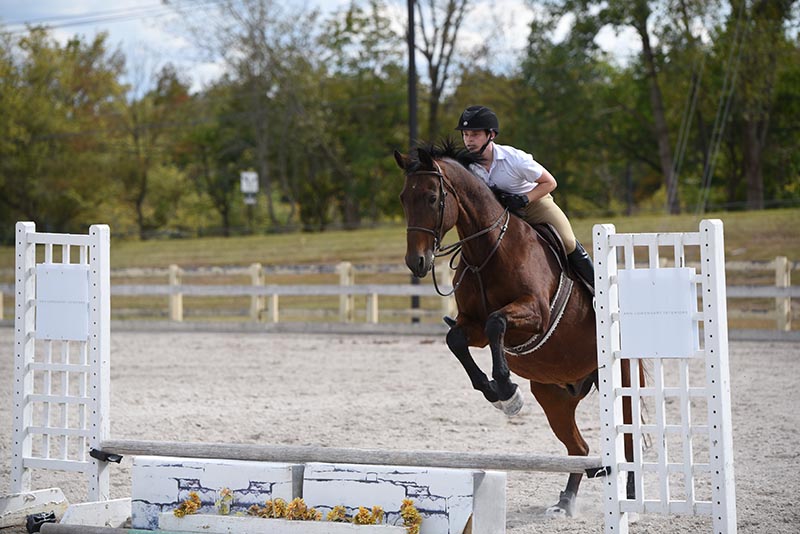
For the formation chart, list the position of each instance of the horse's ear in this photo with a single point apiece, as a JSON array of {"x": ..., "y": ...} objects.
[
  {"x": 401, "y": 159},
  {"x": 425, "y": 158}
]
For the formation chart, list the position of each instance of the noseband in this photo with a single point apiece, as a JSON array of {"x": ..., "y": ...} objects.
[{"x": 453, "y": 249}]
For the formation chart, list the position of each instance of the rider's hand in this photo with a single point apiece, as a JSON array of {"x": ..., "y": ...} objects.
[{"x": 513, "y": 202}]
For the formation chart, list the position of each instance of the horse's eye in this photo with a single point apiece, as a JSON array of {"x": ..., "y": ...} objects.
[{"x": 432, "y": 200}]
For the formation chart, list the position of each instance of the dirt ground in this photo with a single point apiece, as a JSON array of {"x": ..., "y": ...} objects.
[{"x": 408, "y": 392}]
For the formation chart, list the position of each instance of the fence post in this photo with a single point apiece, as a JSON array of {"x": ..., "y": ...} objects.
[
  {"x": 175, "y": 299},
  {"x": 272, "y": 308},
  {"x": 256, "y": 301},
  {"x": 783, "y": 305},
  {"x": 372, "y": 308},
  {"x": 1, "y": 305},
  {"x": 346, "y": 278}
]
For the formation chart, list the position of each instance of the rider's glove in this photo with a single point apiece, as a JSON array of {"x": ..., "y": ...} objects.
[{"x": 513, "y": 202}]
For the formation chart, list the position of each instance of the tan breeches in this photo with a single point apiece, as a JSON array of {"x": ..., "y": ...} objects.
[{"x": 545, "y": 210}]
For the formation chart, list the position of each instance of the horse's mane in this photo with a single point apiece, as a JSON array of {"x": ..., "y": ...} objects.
[{"x": 445, "y": 149}]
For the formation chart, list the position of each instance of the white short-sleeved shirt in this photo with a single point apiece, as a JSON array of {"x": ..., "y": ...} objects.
[{"x": 512, "y": 170}]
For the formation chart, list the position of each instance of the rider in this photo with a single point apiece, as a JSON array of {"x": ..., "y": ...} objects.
[{"x": 520, "y": 183}]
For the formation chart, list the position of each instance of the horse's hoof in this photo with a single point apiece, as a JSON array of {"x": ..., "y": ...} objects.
[
  {"x": 564, "y": 508},
  {"x": 556, "y": 512},
  {"x": 513, "y": 405}
]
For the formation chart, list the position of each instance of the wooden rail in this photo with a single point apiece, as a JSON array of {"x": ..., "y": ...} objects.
[
  {"x": 265, "y": 298},
  {"x": 303, "y": 454}
]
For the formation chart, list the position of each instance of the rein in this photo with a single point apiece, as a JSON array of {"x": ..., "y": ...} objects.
[{"x": 454, "y": 249}]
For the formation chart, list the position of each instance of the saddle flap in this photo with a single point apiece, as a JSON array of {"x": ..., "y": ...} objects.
[{"x": 548, "y": 234}]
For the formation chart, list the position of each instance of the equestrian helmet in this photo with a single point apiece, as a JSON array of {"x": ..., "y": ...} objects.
[{"x": 478, "y": 118}]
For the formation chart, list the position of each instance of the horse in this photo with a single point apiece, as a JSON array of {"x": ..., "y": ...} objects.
[{"x": 504, "y": 282}]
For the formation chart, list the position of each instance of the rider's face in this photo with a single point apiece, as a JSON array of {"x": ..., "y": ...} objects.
[{"x": 474, "y": 139}]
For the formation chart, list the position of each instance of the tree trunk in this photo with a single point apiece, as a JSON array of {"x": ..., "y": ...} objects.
[
  {"x": 751, "y": 154},
  {"x": 735, "y": 178},
  {"x": 262, "y": 155},
  {"x": 351, "y": 216},
  {"x": 659, "y": 119}
]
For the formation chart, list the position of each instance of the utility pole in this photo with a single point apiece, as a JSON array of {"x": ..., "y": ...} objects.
[
  {"x": 412, "y": 78},
  {"x": 412, "y": 113}
]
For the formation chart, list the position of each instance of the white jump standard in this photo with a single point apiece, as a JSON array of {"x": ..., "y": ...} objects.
[{"x": 651, "y": 314}]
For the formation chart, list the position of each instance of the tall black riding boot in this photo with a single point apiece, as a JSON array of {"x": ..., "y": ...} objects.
[{"x": 582, "y": 263}]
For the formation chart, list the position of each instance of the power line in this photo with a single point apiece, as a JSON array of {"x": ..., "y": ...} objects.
[
  {"x": 63, "y": 18},
  {"x": 726, "y": 97},
  {"x": 109, "y": 17}
]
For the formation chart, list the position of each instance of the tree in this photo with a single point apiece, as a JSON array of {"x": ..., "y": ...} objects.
[
  {"x": 213, "y": 152},
  {"x": 562, "y": 113},
  {"x": 56, "y": 149},
  {"x": 364, "y": 81},
  {"x": 637, "y": 14},
  {"x": 149, "y": 122},
  {"x": 260, "y": 41},
  {"x": 766, "y": 42},
  {"x": 439, "y": 23}
]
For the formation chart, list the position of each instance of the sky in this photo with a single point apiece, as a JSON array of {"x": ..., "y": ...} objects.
[{"x": 148, "y": 31}]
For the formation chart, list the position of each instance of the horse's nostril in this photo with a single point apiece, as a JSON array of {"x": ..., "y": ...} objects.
[{"x": 421, "y": 264}]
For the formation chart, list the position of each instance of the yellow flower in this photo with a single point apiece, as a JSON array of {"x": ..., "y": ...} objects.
[
  {"x": 363, "y": 517},
  {"x": 338, "y": 514},
  {"x": 189, "y": 506},
  {"x": 411, "y": 516}
]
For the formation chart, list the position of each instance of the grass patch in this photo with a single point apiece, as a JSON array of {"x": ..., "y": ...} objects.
[{"x": 751, "y": 235}]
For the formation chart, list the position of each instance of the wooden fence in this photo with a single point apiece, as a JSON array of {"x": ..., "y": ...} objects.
[
  {"x": 769, "y": 301},
  {"x": 265, "y": 299}
]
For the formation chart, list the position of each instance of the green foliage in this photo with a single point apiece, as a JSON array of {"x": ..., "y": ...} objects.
[
  {"x": 317, "y": 105},
  {"x": 57, "y": 104}
]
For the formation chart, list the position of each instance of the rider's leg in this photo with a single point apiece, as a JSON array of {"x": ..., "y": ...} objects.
[
  {"x": 582, "y": 263},
  {"x": 547, "y": 211}
]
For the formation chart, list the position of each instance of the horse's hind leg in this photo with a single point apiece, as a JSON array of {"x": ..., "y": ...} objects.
[
  {"x": 459, "y": 345},
  {"x": 559, "y": 407},
  {"x": 627, "y": 418}
]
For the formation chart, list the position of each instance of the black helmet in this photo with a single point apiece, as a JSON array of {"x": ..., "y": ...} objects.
[{"x": 478, "y": 118}]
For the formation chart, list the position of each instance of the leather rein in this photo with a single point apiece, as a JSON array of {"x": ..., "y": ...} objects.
[{"x": 454, "y": 249}]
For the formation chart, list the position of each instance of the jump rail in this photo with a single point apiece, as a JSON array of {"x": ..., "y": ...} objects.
[{"x": 304, "y": 454}]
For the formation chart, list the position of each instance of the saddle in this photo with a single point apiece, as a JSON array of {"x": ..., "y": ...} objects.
[{"x": 549, "y": 236}]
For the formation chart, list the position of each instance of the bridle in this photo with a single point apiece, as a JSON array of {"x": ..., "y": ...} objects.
[
  {"x": 436, "y": 232},
  {"x": 453, "y": 249}
]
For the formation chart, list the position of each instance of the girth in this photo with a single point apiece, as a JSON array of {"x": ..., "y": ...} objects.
[{"x": 557, "y": 307}]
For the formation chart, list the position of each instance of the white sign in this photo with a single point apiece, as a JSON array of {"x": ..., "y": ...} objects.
[
  {"x": 62, "y": 301},
  {"x": 656, "y": 318},
  {"x": 249, "y": 180}
]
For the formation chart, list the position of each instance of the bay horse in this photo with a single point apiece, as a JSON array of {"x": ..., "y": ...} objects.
[{"x": 504, "y": 283}]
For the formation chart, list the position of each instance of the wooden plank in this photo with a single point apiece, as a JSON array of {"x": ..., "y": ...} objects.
[
  {"x": 297, "y": 454},
  {"x": 763, "y": 291},
  {"x": 402, "y": 290}
]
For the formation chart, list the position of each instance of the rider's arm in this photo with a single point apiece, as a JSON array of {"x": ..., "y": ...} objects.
[{"x": 545, "y": 184}]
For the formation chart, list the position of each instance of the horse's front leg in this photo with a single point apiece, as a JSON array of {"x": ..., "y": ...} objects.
[
  {"x": 509, "y": 398},
  {"x": 516, "y": 315},
  {"x": 458, "y": 342}
]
